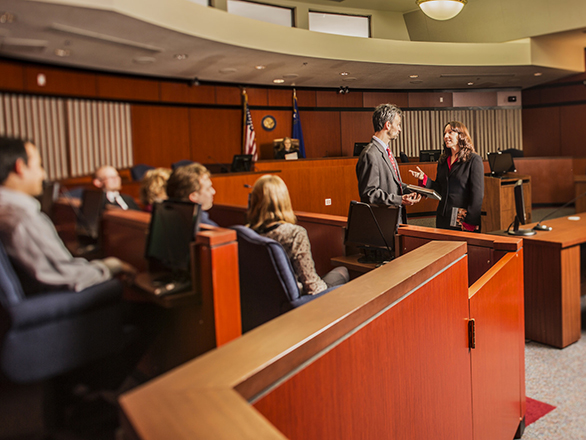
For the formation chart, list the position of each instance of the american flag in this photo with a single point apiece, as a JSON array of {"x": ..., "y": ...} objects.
[{"x": 249, "y": 136}]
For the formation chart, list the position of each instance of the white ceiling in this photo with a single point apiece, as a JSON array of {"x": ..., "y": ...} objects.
[{"x": 143, "y": 38}]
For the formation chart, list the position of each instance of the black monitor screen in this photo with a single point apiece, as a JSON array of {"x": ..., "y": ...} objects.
[
  {"x": 241, "y": 162},
  {"x": 358, "y": 147},
  {"x": 501, "y": 163},
  {"x": 49, "y": 195},
  {"x": 429, "y": 155},
  {"x": 172, "y": 229},
  {"x": 362, "y": 229},
  {"x": 92, "y": 206},
  {"x": 520, "y": 203}
]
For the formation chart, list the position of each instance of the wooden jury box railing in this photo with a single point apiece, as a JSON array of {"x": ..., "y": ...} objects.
[{"x": 387, "y": 355}]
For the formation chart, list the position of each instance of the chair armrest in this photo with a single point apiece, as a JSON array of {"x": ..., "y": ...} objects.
[
  {"x": 306, "y": 298},
  {"x": 54, "y": 306}
]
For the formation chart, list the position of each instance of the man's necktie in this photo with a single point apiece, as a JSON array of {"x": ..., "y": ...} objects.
[
  {"x": 120, "y": 201},
  {"x": 394, "y": 164}
]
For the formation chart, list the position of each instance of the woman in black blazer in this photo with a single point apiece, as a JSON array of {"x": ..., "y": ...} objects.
[{"x": 459, "y": 180}]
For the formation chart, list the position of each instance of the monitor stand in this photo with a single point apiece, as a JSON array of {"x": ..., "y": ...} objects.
[{"x": 374, "y": 255}]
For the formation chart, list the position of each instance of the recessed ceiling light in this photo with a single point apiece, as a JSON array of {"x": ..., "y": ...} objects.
[
  {"x": 7, "y": 17},
  {"x": 537, "y": 74},
  {"x": 279, "y": 81},
  {"x": 144, "y": 60},
  {"x": 62, "y": 52},
  {"x": 260, "y": 67},
  {"x": 290, "y": 76},
  {"x": 180, "y": 56},
  {"x": 470, "y": 83},
  {"x": 413, "y": 76},
  {"x": 344, "y": 73},
  {"x": 228, "y": 70}
]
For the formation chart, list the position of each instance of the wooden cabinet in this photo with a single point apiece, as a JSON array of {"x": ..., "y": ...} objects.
[{"x": 498, "y": 206}]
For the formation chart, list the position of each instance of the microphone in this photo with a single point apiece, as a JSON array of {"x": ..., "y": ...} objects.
[
  {"x": 246, "y": 185},
  {"x": 378, "y": 227},
  {"x": 540, "y": 227},
  {"x": 223, "y": 169}
]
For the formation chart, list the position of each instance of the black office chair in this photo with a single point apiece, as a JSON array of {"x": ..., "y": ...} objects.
[
  {"x": 404, "y": 157},
  {"x": 45, "y": 336},
  {"x": 180, "y": 163},
  {"x": 138, "y": 171}
]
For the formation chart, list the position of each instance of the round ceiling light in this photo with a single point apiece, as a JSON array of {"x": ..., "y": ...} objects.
[{"x": 441, "y": 9}]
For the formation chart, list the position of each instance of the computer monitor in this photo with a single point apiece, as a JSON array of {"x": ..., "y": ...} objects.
[
  {"x": 241, "y": 163},
  {"x": 358, "y": 147},
  {"x": 372, "y": 228},
  {"x": 429, "y": 155},
  {"x": 520, "y": 213},
  {"x": 501, "y": 163},
  {"x": 48, "y": 196},
  {"x": 90, "y": 214},
  {"x": 172, "y": 229}
]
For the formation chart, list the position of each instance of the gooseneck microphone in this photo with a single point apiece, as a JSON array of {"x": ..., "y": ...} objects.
[{"x": 540, "y": 227}]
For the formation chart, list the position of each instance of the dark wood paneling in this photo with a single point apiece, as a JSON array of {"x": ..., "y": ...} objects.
[
  {"x": 531, "y": 97},
  {"x": 337, "y": 100},
  {"x": 216, "y": 134},
  {"x": 373, "y": 99},
  {"x": 573, "y": 129},
  {"x": 321, "y": 131},
  {"x": 228, "y": 95},
  {"x": 281, "y": 98},
  {"x": 544, "y": 188},
  {"x": 570, "y": 93},
  {"x": 306, "y": 98},
  {"x": 433, "y": 100},
  {"x": 541, "y": 132},
  {"x": 257, "y": 96},
  {"x": 11, "y": 76},
  {"x": 60, "y": 82},
  {"x": 356, "y": 127},
  {"x": 133, "y": 89},
  {"x": 160, "y": 135},
  {"x": 181, "y": 92},
  {"x": 264, "y": 138}
]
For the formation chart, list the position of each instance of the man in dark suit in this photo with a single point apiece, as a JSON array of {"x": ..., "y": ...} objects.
[
  {"x": 107, "y": 178},
  {"x": 379, "y": 179}
]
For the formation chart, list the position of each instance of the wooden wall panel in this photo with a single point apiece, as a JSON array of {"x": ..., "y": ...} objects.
[
  {"x": 60, "y": 82},
  {"x": 573, "y": 129},
  {"x": 264, "y": 138},
  {"x": 337, "y": 100},
  {"x": 355, "y": 127},
  {"x": 281, "y": 98},
  {"x": 321, "y": 131},
  {"x": 430, "y": 100},
  {"x": 531, "y": 97},
  {"x": 306, "y": 98},
  {"x": 11, "y": 76},
  {"x": 541, "y": 132},
  {"x": 373, "y": 99},
  {"x": 160, "y": 134},
  {"x": 228, "y": 95},
  {"x": 257, "y": 96},
  {"x": 132, "y": 89},
  {"x": 216, "y": 134},
  {"x": 546, "y": 189},
  {"x": 570, "y": 93},
  {"x": 182, "y": 92}
]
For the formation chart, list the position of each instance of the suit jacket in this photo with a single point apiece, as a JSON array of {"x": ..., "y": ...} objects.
[
  {"x": 461, "y": 187},
  {"x": 377, "y": 181},
  {"x": 127, "y": 199}
]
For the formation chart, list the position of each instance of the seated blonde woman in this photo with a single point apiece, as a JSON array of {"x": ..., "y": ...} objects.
[
  {"x": 153, "y": 187},
  {"x": 271, "y": 215}
]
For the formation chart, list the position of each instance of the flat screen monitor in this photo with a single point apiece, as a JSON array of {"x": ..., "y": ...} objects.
[
  {"x": 372, "y": 228},
  {"x": 49, "y": 195},
  {"x": 358, "y": 147},
  {"x": 520, "y": 213},
  {"x": 429, "y": 155},
  {"x": 501, "y": 163},
  {"x": 241, "y": 163},
  {"x": 172, "y": 229},
  {"x": 90, "y": 213}
]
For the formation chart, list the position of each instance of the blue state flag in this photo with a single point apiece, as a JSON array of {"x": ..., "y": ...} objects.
[{"x": 297, "y": 132}]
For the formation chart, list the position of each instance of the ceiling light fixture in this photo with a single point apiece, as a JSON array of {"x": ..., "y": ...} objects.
[
  {"x": 344, "y": 73},
  {"x": 537, "y": 74},
  {"x": 441, "y": 9},
  {"x": 470, "y": 83},
  {"x": 413, "y": 76},
  {"x": 180, "y": 56},
  {"x": 278, "y": 81},
  {"x": 260, "y": 67},
  {"x": 62, "y": 52}
]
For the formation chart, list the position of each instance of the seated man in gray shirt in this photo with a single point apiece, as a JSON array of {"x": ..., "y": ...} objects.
[{"x": 29, "y": 236}]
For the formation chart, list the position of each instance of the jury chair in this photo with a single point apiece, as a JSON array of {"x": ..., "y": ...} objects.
[
  {"x": 47, "y": 335},
  {"x": 268, "y": 286},
  {"x": 138, "y": 171}
]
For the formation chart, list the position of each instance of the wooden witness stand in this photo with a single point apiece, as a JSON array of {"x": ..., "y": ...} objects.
[{"x": 276, "y": 380}]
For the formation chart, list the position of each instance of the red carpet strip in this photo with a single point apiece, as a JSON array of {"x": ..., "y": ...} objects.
[{"x": 536, "y": 410}]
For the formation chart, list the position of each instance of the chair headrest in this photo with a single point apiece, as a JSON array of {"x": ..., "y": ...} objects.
[{"x": 11, "y": 292}]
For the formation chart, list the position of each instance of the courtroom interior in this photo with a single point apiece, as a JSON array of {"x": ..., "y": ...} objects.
[{"x": 202, "y": 326}]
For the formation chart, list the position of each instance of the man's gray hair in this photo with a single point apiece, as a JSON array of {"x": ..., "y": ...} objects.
[{"x": 384, "y": 113}]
